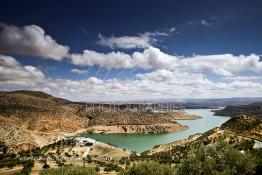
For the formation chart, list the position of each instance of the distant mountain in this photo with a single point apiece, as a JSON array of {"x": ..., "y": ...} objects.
[
  {"x": 216, "y": 103},
  {"x": 182, "y": 104},
  {"x": 253, "y": 109}
]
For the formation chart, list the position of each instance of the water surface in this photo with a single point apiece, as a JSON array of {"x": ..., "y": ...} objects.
[{"x": 143, "y": 142}]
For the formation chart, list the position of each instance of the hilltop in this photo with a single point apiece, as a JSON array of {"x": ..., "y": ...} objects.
[{"x": 253, "y": 109}]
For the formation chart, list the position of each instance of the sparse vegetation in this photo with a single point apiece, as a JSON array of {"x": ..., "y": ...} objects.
[
  {"x": 146, "y": 168},
  {"x": 70, "y": 170}
]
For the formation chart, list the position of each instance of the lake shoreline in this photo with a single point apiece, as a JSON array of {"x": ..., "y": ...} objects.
[{"x": 140, "y": 142}]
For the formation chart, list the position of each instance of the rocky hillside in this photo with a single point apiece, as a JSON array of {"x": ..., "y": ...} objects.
[
  {"x": 244, "y": 125},
  {"x": 30, "y": 118},
  {"x": 240, "y": 131},
  {"x": 254, "y": 109}
]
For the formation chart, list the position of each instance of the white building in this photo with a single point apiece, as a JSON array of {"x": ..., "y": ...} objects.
[{"x": 83, "y": 141}]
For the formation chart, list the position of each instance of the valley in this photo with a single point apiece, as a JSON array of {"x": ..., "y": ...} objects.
[
  {"x": 31, "y": 119},
  {"x": 39, "y": 133}
]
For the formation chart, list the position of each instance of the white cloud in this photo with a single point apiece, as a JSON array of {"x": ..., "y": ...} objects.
[
  {"x": 30, "y": 40},
  {"x": 149, "y": 58},
  {"x": 204, "y": 22},
  {"x": 94, "y": 89},
  {"x": 13, "y": 73},
  {"x": 126, "y": 42},
  {"x": 79, "y": 71},
  {"x": 172, "y": 29},
  {"x": 222, "y": 65},
  {"x": 145, "y": 40},
  {"x": 108, "y": 60},
  {"x": 157, "y": 84},
  {"x": 243, "y": 78},
  {"x": 172, "y": 76}
]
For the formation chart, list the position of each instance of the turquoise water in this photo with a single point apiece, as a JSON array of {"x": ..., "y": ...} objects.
[{"x": 143, "y": 142}]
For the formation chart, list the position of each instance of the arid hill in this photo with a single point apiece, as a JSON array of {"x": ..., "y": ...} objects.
[{"x": 30, "y": 118}]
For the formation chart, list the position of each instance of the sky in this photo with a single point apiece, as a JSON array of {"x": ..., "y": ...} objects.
[{"x": 123, "y": 50}]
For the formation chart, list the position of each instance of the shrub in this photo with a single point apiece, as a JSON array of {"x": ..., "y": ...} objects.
[
  {"x": 27, "y": 167},
  {"x": 146, "y": 168},
  {"x": 97, "y": 169},
  {"x": 257, "y": 154},
  {"x": 67, "y": 154},
  {"x": 11, "y": 164},
  {"x": 45, "y": 166},
  {"x": 29, "y": 163},
  {"x": 112, "y": 167},
  {"x": 70, "y": 170}
]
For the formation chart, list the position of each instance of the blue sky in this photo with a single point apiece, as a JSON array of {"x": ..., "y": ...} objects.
[{"x": 109, "y": 50}]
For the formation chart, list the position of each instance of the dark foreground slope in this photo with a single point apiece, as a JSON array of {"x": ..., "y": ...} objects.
[{"x": 234, "y": 148}]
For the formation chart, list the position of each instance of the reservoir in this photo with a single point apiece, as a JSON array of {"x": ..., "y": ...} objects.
[{"x": 143, "y": 142}]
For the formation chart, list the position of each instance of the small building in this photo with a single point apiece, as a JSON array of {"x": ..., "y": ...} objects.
[{"x": 83, "y": 141}]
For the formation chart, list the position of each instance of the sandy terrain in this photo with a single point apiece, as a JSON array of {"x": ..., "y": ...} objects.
[{"x": 8, "y": 171}]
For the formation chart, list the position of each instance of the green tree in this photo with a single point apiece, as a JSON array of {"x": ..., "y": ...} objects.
[{"x": 214, "y": 159}]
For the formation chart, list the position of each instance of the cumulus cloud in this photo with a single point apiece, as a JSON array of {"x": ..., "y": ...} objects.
[
  {"x": 108, "y": 60},
  {"x": 144, "y": 40},
  {"x": 171, "y": 75},
  {"x": 222, "y": 65},
  {"x": 156, "y": 84},
  {"x": 79, "y": 71},
  {"x": 30, "y": 40},
  {"x": 14, "y": 73},
  {"x": 95, "y": 89},
  {"x": 149, "y": 58}
]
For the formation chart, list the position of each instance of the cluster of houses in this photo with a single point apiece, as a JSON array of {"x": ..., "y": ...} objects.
[{"x": 83, "y": 141}]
